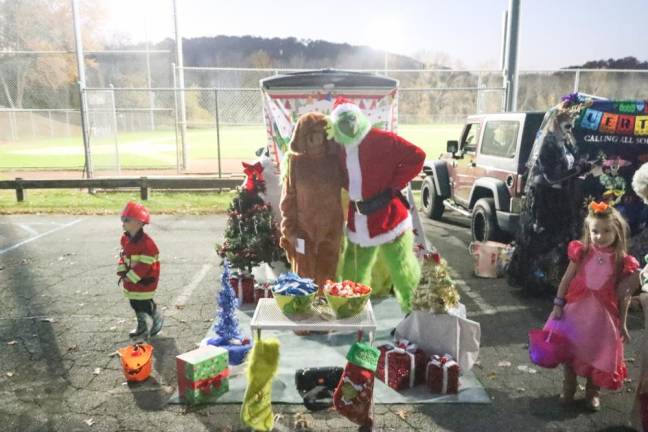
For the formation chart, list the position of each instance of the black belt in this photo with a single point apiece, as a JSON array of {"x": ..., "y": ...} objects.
[{"x": 379, "y": 201}]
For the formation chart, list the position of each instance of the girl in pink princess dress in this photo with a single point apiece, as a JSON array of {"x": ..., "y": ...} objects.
[{"x": 586, "y": 308}]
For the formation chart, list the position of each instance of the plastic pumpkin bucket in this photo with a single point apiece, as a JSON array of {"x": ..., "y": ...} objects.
[
  {"x": 547, "y": 348},
  {"x": 136, "y": 361}
]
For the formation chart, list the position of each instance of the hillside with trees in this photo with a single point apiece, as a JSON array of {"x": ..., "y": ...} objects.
[{"x": 49, "y": 80}]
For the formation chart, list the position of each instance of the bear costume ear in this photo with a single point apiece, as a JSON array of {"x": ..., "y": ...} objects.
[
  {"x": 307, "y": 124},
  {"x": 298, "y": 143}
]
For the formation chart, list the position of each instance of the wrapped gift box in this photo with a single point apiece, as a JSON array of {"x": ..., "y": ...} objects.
[
  {"x": 244, "y": 287},
  {"x": 202, "y": 374},
  {"x": 263, "y": 290},
  {"x": 449, "y": 333},
  {"x": 402, "y": 365},
  {"x": 442, "y": 374}
]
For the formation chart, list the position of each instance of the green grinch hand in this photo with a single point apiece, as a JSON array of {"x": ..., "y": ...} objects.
[{"x": 329, "y": 129}]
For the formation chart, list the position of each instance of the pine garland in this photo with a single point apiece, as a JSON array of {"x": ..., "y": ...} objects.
[{"x": 436, "y": 292}]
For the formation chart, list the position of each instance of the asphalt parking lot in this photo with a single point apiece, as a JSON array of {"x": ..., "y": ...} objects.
[{"x": 62, "y": 317}]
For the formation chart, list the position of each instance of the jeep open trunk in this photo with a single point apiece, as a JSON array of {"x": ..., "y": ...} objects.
[{"x": 482, "y": 175}]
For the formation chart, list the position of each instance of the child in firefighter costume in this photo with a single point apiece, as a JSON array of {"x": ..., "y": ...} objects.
[
  {"x": 139, "y": 270},
  {"x": 378, "y": 164}
]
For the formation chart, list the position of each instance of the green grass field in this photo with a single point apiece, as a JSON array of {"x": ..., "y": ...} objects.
[
  {"x": 157, "y": 149},
  {"x": 66, "y": 201}
]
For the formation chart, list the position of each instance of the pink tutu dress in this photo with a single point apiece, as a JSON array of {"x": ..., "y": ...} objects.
[{"x": 590, "y": 320}]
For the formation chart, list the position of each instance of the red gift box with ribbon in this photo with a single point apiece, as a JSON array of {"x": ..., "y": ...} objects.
[
  {"x": 244, "y": 287},
  {"x": 442, "y": 374},
  {"x": 263, "y": 290},
  {"x": 401, "y": 365}
]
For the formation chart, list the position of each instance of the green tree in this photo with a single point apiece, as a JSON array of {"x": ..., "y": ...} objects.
[
  {"x": 40, "y": 25},
  {"x": 251, "y": 236},
  {"x": 259, "y": 59}
]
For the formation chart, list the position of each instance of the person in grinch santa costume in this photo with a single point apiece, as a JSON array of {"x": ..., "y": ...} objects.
[{"x": 378, "y": 165}]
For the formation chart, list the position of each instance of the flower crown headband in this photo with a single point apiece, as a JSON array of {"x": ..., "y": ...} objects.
[{"x": 599, "y": 208}]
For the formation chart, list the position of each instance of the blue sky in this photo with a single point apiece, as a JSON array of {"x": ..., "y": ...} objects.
[{"x": 554, "y": 33}]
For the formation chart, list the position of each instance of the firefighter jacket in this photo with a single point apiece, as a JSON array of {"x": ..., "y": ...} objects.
[{"x": 139, "y": 266}]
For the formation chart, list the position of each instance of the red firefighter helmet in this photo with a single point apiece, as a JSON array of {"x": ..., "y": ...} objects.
[{"x": 137, "y": 212}]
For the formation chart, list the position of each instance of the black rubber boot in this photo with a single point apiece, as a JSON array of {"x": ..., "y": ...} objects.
[
  {"x": 158, "y": 320},
  {"x": 142, "y": 329}
]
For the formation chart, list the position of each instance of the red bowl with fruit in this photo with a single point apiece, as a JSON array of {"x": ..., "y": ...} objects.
[{"x": 346, "y": 298}]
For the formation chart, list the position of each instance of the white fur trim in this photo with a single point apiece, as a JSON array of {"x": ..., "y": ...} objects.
[
  {"x": 345, "y": 107},
  {"x": 361, "y": 235},
  {"x": 640, "y": 182},
  {"x": 355, "y": 172}
]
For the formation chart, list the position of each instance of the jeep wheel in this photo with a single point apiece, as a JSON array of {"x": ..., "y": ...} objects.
[
  {"x": 484, "y": 226},
  {"x": 431, "y": 203}
]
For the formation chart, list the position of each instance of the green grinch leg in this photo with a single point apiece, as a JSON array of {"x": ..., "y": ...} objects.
[
  {"x": 340, "y": 264},
  {"x": 403, "y": 266},
  {"x": 381, "y": 282},
  {"x": 256, "y": 411},
  {"x": 358, "y": 262}
]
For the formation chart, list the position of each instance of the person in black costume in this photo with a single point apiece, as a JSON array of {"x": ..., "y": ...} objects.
[{"x": 549, "y": 216}]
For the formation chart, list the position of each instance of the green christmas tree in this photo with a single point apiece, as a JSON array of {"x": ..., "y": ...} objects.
[
  {"x": 251, "y": 236},
  {"x": 437, "y": 291}
]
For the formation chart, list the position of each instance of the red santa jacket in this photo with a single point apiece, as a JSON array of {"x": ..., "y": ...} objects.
[
  {"x": 382, "y": 160},
  {"x": 139, "y": 266}
]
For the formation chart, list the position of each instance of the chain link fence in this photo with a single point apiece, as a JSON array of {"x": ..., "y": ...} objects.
[
  {"x": 139, "y": 128},
  {"x": 133, "y": 105}
]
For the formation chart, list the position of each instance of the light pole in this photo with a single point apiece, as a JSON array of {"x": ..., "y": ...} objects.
[
  {"x": 386, "y": 62},
  {"x": 83, "y": 105},
  {"x": 180, "y": 83},
  {"x": 511, "y": 64}
]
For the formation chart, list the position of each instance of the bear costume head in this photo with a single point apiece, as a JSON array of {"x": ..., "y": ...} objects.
[{"x": 309, "y": 136}]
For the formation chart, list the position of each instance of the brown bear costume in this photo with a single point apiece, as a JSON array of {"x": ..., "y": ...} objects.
[{"x": 311, "y": 207}]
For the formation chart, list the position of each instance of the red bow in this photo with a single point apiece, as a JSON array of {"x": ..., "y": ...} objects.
[
  {"x": 205, "y": 385},
  {"x": 405, "y": 345},
  {"x": 442, "y": 359},
  {"x": 254, "y": 175}
]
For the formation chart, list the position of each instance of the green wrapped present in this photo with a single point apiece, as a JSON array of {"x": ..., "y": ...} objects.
[{"x": 203, "y": 374}]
